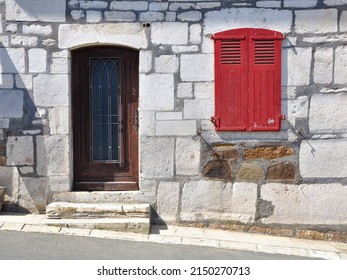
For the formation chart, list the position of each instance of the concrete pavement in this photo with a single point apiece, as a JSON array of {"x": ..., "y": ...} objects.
[
  {"x": 189, "y": 236},
  {"x": 16, "y": 245}
]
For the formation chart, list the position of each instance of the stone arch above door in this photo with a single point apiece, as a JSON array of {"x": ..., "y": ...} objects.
[{"x": 74, "y": 36}]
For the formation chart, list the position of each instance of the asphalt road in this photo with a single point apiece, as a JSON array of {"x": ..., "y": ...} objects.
[{"x": 39, "y": 246}]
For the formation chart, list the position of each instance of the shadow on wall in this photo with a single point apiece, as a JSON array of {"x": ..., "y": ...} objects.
[
  {"x": 20, "y": 122},
  {"x": 36, "y": 10}
]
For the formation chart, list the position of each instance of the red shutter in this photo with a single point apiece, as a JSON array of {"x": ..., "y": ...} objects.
[
  {"x": 248, "y": 79},
  {"x": 264, "y": 80},
  {"x": 231, "y": 82}
]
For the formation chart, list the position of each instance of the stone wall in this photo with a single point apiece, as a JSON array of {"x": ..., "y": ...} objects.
[{"x": 189, "y": 172}]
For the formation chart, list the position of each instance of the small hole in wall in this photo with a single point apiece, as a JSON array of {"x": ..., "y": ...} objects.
[{"x": 146, "y": 25}]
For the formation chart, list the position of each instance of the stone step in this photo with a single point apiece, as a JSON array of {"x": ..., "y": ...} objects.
[
  {"x": 135, "y": 225},
  {"x": 136, "y": 197},
  {"x": 71, "y": 210}
]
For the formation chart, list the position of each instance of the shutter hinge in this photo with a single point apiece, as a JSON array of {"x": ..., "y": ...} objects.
[
  {"x": 215, "y": 121},
  {"x": 282, "y": 117}
]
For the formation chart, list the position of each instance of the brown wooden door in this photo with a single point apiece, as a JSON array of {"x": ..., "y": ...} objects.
[{"x": 105, "y": 123}]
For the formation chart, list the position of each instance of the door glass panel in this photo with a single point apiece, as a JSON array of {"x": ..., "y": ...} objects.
[{"x": 105, "y": 109}]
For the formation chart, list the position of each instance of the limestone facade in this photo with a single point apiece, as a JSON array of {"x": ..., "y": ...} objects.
[{"x": 188, "y": 171}]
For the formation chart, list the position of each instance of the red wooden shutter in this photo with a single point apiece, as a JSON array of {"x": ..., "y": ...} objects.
[
  {"x": 247, "y": 79},
  {"x": 231, "y": 82},
  {"x": 264, "y": 80}
]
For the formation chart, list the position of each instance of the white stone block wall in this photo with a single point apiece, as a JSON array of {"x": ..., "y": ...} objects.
[
  {"x": 157, "y": 157},
  {"x": 52, "y": 155},
  {"x": 20, "y": 151},
  {"x": 168, "y": 200},
  {"x": 47, "y": 11},
  {"x": 187, "y": 156},
  {"x": 328, "y": 114},
  {"x": 172, "y": 33},
  {"x": 303, "y": 204},
  {"x": 206, "y": 200},
  {"x": 11, "y": 105},
  {"x": 157, "y": 92},
  {"x": 300, "y": 4},
  {"x": 196, "y": 67},
  {"x": 323, "y": 68},
  {"x": 323, "y": 158},
  {"x": 48, "y": 89},
  {"x": 224, "y": 19},
  {"x": 176, "y": 102},
  {"x": 215, "y": 200},
  {"x": 293, "y": 59},
  {"x": 340, "y": 65},
  {"x": 304, "y": 20},
  {"x": 37, "y": 60}
]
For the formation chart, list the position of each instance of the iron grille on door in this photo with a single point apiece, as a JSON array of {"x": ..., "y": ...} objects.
[{"x": 105, "y": 107}]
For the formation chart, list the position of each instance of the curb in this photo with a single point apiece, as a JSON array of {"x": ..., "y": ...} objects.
[{"x": 190, "y": 236}]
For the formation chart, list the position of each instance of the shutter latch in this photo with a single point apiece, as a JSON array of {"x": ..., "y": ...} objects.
[
  {"x": 215, "y": 121},
  {"x": 282, "y": 117}
]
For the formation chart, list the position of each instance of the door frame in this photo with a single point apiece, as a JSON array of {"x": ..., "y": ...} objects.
[{"x": 94, "y": 176}]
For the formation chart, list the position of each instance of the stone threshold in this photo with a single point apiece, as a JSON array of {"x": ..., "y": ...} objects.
[
  {"x": 136, "y": 225},
  {"x": 246, "y": 241},
  {"x": 70, "y": 210}
]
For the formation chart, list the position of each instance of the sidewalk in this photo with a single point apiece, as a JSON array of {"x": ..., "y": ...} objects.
[{"x": 189, "y": 236}]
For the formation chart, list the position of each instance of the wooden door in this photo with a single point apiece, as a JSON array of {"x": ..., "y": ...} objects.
[{"x": 105, "y": 118}]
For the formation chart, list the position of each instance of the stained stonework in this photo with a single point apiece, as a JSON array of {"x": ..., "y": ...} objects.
[
  {"x": 217, "y": 169},
  {"x": 2, "y": 155},
  {"x": 282, "y": 171},
  {"x": 228, "y": 153},
  {"x": 311, "y": 234},
  {"x": 268, "y": 152},
  {"x": 280, "y": 231},
  {"x": 2, "y": 160},
  {"x": 250, "y": 172},
  {"x": 256, "y": 229}
]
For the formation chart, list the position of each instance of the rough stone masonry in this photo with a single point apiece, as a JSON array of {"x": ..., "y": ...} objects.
[{"x": 276, "y": 182}]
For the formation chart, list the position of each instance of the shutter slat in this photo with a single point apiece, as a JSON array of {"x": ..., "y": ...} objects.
[
  {"x": 230, "y": 51},
  {"x": 264, "y": 52}
]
